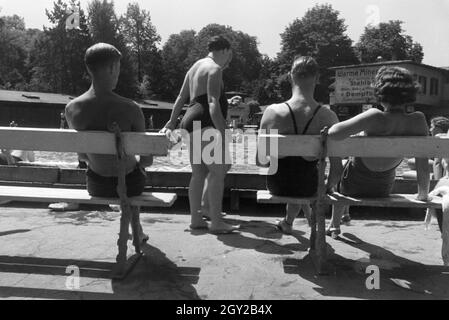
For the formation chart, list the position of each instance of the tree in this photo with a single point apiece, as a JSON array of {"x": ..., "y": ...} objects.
[
  {"x": 175, "y": 56},
  {"x": 57, "y": 57},
  {"x": 16, "y": 43},
  {"x": 104, "y": 26},
  {"x": 321, "y": 33},
  {"x": 387, "y": 40},
  {"x": 140, "y": 36}
]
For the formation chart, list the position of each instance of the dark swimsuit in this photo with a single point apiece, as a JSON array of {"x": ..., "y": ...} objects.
[
  {"x": 296, "y": 177},
  {"x": 199, "y": 111},
  {"x": 106, "y": 187},
  {"x": 359, "y": 181}
]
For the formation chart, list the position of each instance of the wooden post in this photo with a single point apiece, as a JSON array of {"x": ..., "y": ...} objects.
[
  {"x": 320, "y": 207},
  {"x": 127, "y": 212}
]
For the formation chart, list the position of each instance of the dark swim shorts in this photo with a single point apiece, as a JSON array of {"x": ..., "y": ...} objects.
[{"x": 106, "y": 187}]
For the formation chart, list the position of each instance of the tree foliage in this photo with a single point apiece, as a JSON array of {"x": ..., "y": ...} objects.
[
  {"x": 52, "y": 60},
  {"x": 387, "y": 40},
  {"x": 140, "y": 37},
  {"x": 104, "y": 26},
  {"x": 321, "y": 33},
  {"x": 176, "y": 61}
]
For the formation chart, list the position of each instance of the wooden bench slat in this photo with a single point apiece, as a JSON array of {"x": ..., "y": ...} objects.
[
  {"x": 379, "y": 147},
  {"x": 56, "y": 140},
  {"x": 266, "y": 197},
  {"x": 395, "y": 200},
  {"x": 47, "y": 195}
]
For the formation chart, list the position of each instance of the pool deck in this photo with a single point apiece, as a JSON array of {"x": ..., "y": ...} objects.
[{"x": 259, "y": 263}]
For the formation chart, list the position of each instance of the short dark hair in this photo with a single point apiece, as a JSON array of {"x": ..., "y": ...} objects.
[
  {"x": 218, "y": 43},
  {"x": 304, "y": 67},
  {"x": 100, "y": 55},
  {"x": 395, "y": 85},
  {"x": 441, "y": 123}
]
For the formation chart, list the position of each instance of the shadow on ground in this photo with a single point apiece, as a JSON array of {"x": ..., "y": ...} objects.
[
  {"x": 400, "y": 278},
  {"x": 154, "y": 277}
]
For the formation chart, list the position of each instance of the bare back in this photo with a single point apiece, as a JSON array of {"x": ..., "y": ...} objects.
[
  {"x": 278, "y": 117},
  {"x": 198, "y": 77},
  {"x": 394, "y": 124},
  {"x": 378, "y": 123},
  {"x": 97, "y": 113}
]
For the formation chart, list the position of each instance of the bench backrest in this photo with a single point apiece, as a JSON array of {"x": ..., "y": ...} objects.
[
  {"x": 379, "y": 147},
  {"x": 57, "y": 140}
]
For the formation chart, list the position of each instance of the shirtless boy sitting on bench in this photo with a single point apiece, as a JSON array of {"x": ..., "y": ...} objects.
[{"x": 97, "y": 110}]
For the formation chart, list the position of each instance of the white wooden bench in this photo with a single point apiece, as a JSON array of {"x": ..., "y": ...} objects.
[
  {"x": 106, "y": 143},
  {"x": 379, "y": 147}
]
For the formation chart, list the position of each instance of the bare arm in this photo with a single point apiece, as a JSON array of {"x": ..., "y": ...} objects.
[
  {"x": 362, "y": 122},
  {"x": 336, "y": 167},
  {"x": 69, "y": 118},
  {"x": 184, "y": 94},
  {"x": 266, "y": 124},
  {"x": 213, "y": 92}
]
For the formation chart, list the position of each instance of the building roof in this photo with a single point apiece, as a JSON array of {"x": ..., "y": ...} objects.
[
  {"x": 62, "y": 99},
  {"x": 34, "y": 97},
  {"x": 383, "y": 63},
  {"x": 152, "y": 104}
]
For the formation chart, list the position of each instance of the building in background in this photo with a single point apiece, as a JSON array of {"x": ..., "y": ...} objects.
[
  {"x": 353, "y": 92},
  {"x": 43, "y": 110}
]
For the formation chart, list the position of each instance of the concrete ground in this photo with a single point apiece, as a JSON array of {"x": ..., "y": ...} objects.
[{"x": 36, "y": 247}]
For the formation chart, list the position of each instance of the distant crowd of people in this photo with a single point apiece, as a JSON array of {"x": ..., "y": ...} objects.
[{"x": 203, "y": 90}]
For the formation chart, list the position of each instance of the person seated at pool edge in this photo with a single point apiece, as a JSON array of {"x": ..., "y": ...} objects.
[
  {"x": 298, "y": 176},
  {"x": 96, "y": 110},
  {"x": 374, "y": 177}
]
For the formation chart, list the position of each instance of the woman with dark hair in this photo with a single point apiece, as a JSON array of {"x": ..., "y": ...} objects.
[{"x": 374, "y": 177}]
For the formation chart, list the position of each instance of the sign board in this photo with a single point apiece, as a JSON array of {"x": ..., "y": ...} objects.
[{"x": 354, "y": 85}]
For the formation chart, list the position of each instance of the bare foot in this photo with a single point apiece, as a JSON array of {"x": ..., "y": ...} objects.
[
  {"x": 222, "y": 228},
  {"x": 206, "y": 215},
  {"x": 198, "y": 224}
]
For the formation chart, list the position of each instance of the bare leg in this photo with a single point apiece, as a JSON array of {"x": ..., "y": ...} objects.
[
  {"x": 205, "y": 207},
  {"x": 292, "y": 212},
  {"x": 196, "y": 187},
  {"x": 215, "y": 190},
  {"x": 286, "y": 225},
  {"x": 307, "y": 213},
  {"x": 337, "y": 213}
]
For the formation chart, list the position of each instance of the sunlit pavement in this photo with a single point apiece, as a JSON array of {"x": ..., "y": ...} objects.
[{"x": 37, "y": 246}]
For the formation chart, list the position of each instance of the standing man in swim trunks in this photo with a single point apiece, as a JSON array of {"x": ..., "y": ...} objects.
[
  {"x": 97, "y": 110},
  {"x": 203, "y": 87}
]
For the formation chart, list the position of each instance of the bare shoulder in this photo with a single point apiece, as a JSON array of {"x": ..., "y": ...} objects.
[
  {"x": 418, "y": 116},
  {"x": 272, "y": 116},
  {"x": 419, "y": 123},
  {"x": 75, "y": 106},
  {"x": 327, "y": 116},
  {"x": 214, "y": 69}
]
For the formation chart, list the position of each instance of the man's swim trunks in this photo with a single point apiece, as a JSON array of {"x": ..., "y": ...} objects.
[
  {"x": 199, "y": 111},
  {"x": 359, "y": 181},
  {"x": 106, "y": 187},
  {"x": 296, "y": 177}
]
